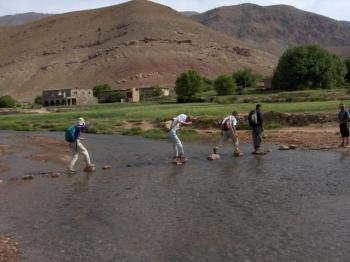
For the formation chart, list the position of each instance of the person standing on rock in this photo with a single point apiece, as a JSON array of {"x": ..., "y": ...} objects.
[
  {"x": 344, "y": 118},
  {"x": 255, "y": 119},
  {"x": 229, "y": 131},
  {"x": 73, "y": 137},
  {"x": 181, "y": 119}
]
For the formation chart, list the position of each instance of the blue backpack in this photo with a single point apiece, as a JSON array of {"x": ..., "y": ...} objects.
[{"x": 70, "y": 134}]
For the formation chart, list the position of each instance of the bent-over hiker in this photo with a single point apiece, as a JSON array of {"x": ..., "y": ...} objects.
[
  {"x": 344, "y": 118},
  {"x": 175, "y": 125},
  {"x": 255, "y": 119},
  {"x": 73, "y": 137},
  {"x": 229, "y": 131}
]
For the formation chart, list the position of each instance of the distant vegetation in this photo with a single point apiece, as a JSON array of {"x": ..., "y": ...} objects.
[
  {"x": 187, "y": 85},
  {"x": 7, "y": 101},
  {"x": 245, "y": 78},
  {"x": 307, "y": 67},
  {"x": 100, "y": 88},
  {"x": 224, "y": 85},
  {"x": 347, "y": 64},
  {"x": 38, "y": 100}
]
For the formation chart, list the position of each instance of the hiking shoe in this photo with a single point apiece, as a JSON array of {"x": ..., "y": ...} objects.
[
  {"x": 341, "y": 145},
  {"x": 89, "y": 168},
  {"x": 72, "y": 171}
]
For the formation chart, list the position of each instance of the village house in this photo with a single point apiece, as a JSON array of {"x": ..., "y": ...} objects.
[
  {"x": 131, "y": 95},
  {"x": 69, "y": 97}
]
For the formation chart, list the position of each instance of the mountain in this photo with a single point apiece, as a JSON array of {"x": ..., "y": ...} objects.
[
  {"x": 21, "y": 19},
  {"x": 135, "y": 44},
  {"x": 190, "y": 13},
  {"x": 347, "y": 23},
  {"x": 275, "y": 28}
]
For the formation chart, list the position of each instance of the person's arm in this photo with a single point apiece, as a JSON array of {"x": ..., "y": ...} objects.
[{"x": 185, "y": 123}]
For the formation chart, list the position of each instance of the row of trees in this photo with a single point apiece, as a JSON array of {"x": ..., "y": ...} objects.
[{"x": 189, "y": 83}]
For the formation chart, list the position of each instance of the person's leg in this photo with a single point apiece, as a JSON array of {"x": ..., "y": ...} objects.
[
  {"x": 255, "y": 140},
  {"x": 74, "y": 158},
  {"x": 172, "y": 136},
  {"x": 85, "y": 153},
  {"x": 259, "y": 138},
  {"x": 222, "y": 140},
  {"x": 235, "y": 143},
  {"x": 343, "y": 134}
]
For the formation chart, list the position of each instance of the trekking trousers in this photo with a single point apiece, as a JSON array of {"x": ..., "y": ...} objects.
[
  {"x": 226, "y": 135},
  {"x": 177, "y": 145},
  {"x": 257, "y": 137},
  {"x": 76, "y": 149}
]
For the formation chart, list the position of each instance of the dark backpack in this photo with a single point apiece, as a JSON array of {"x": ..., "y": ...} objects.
[{"x": 70, "y": 134}]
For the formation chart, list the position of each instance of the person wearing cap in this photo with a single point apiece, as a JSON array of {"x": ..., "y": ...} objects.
[
  {"x": 78, "y": 148},
  {"x": 229, "y": 131},
  {"x": 343, "y": 118},
  {"x": 181, "y": 119}
]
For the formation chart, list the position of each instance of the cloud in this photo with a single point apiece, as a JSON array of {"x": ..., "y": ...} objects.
[{"x": 337, "y": 9}]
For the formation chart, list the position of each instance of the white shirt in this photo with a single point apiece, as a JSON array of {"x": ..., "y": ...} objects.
[
  {"x": 177, "y": 120},
  {"x": 232, "y": 119}
]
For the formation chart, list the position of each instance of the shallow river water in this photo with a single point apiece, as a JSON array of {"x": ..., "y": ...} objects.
[{"x": 285, "y": 206}]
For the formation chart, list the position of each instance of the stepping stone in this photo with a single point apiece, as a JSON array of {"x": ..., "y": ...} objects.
[
  {"x": 213, "y": 157},
  {"x": 106, "y": 167}
]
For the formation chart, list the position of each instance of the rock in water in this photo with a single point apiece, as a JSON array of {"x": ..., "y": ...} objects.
[
  {"x": 284, "y": 148},
  {"x": 180, "y": 161},
  {"x": 106, "y": 167},
  {"x": 292, "y": 147},
  {"x": 28, "y": 177},
  {"x": 55, "y": 175},
  {"x": 238, "y": 154},
  {"x": 213, "y": 157},
  {"x": 259, "y": 153}
]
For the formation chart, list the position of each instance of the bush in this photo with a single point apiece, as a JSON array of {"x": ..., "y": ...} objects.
[
  {"x": 187, "y": 85},
  {"x": 308, "y": 67},
  {"x": 157, "y": 91},
  {"x": 7, "y": 101},
  {"x": 224, "y": 85},
  {"x": 245, "y": 78},
  {"x": 38, "y": 100},
  {"x": 347, "y": 64},
  {"x": 99, "y": 88}
]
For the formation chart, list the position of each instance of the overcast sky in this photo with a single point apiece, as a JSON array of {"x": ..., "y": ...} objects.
[{"x": 337, "y": 9}]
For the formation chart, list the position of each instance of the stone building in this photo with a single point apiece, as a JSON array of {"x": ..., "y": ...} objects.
[
  {"x": 132, "y": 95},
  {"x": 69, "y": 97}
]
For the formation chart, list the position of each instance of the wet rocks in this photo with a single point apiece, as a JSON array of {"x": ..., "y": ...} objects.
[
  {"x": 55, "y": 175},
  {"x": 292, "y": 147},
  {"x": 213, "y": 157},
  {"x": 238, "y": 154},
  {"x": 27, "y": 177},
  {"x": 284, "y": 148},
  {"x": 107, "y": 167}
]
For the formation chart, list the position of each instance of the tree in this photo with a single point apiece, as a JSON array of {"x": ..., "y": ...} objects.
[
  {"x": 187, "y": 85},
  {"x": 245, "y": 78},
  {"x": 7, "y": 101},
  {"x": 224, "y": 85},
  {"x": 308, "y": 67},
  {"x": 347, "y": 64},
  {"x": 38, "y": 100},
  {"x": 157, "y": 91},
  {"x": 99, "y": 88}
]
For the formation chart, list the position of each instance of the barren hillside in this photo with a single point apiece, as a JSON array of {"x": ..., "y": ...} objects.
[
  {"x": 21, "y": 19},
  {"x": 275, "y": 28},
  {"x": 138, "y": 43}
]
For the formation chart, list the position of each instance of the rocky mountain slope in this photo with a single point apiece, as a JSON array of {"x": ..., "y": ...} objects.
[
  {"x": 21, "y": 19},
  {"x": 135, "y": 44},
  {"x": 275, "y": 28}
]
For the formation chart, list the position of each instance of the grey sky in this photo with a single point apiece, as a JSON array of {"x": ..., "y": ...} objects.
[{"x": 337, "y": 9}]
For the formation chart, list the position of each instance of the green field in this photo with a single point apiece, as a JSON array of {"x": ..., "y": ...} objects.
[{"x": 110, "y": 118}]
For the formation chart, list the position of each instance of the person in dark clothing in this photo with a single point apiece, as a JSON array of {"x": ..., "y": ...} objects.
[
  {"x": 343, "y": 118},
  {"x": 256, "y": 123}
]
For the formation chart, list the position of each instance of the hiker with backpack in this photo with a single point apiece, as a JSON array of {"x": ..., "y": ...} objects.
[
  {"x": 181, "y": 119},
  {"x": 255, "y": 119},
  {"x": 228, "y": 131},
  {"x": 72, "y": 136},
  {"x": 344, "y": 118}
]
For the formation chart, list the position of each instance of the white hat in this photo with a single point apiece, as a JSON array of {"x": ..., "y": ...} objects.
[{"x": 81, "y": 121}]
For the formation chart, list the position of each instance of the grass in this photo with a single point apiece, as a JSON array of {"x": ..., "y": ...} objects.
[{"x": 109, "y": 118}]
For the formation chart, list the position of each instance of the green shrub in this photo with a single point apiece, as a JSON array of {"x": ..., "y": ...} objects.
[
  {"x": 99, "y": 88},
  {"x": 308, "y": 67},
  {"x": 187, "y": 85},
  {"x": 38, "y": 100},
  {"x": 224, "y": 85},
  {"x": 7, "y": 101},
  {"x": 245, "y": 78}
]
